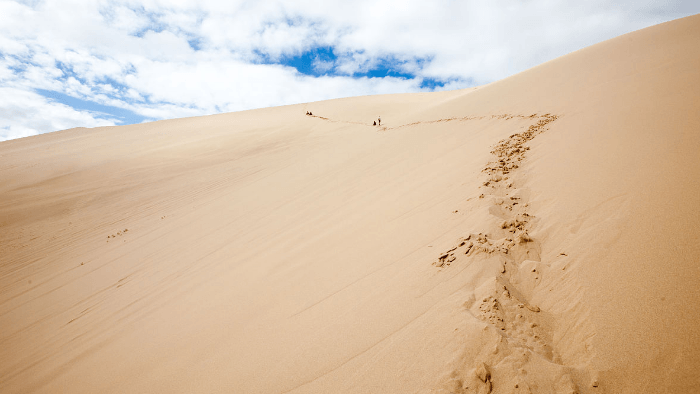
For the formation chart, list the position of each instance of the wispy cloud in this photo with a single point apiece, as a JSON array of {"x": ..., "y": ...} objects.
[
  {"x": 322, "y": 66},
  {"x": 154, "y": 59}
]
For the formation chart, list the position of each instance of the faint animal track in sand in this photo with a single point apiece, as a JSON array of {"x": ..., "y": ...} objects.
[
  {"x": 466, "y": 118},
  {"x": 119, "y": 233},
  {"x": 339, "y": 121},
  {"x": 519, "y": 355}
]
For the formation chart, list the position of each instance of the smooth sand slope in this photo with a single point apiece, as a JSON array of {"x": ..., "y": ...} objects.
[{"x": 538, "y": 234}]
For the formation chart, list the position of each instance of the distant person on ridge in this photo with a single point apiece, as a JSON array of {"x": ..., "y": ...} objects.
[
  {"x": 375, "y": 123},
  {"x": 380, "y": 120}
]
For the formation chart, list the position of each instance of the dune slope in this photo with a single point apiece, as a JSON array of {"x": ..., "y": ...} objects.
[{"x": 533, "y": 235}]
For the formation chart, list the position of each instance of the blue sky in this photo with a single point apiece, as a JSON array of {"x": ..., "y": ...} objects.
[
  {"x": 73, "y": 63},
  {"x": 120, "y": 115}
]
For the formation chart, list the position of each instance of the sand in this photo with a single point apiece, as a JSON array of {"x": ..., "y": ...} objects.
[{"x": 537, "y": 234}]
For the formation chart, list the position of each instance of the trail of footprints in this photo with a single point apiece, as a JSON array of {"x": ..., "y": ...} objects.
[
  {"x": 509, "y": 153},
  {"x": 465, "y": 118},
  {"x": 521, "y": 334}
]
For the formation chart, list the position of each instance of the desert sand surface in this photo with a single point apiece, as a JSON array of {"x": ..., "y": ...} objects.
[{"x": 535, "y": 235}]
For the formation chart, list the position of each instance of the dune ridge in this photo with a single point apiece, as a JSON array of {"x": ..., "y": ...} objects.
[{"x": 536, "y": 234}]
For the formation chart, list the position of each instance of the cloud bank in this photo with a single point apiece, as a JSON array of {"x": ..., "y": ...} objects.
[{"x": 92, "y": 63}]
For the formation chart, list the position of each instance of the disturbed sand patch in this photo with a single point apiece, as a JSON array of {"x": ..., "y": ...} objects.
[{"x": 518, "y": 354}]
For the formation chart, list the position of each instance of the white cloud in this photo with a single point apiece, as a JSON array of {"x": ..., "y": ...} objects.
[{"x": 138, "y": 54}]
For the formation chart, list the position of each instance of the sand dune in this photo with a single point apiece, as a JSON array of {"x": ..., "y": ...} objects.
[{"x": 537, "y": 234}]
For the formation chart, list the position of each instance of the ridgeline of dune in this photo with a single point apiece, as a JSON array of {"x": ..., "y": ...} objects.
[{"x": 537, "y": 234}]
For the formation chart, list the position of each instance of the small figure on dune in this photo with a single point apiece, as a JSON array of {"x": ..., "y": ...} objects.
[
  {"x": 375, "y": 123},
  {"x": 380, "y": 120},
  {"x": 307, "y": 112}
]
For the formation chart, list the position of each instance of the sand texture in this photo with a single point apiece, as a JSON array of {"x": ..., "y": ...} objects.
[{"x": 535, "y": 235}]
